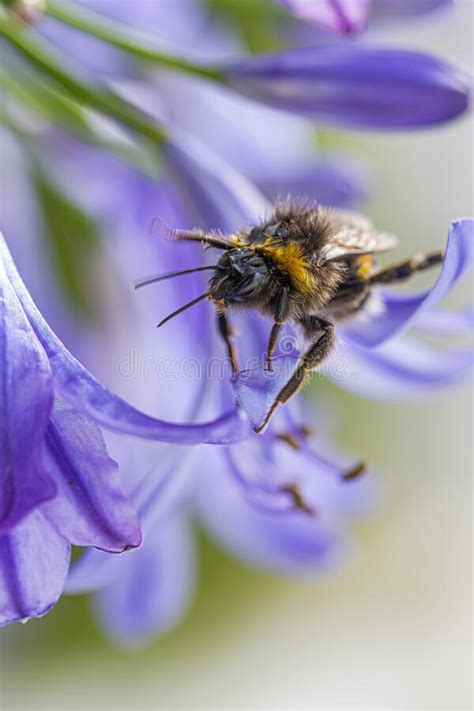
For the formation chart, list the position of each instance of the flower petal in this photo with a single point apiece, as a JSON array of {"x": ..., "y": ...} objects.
[
  {"x": 400, "y": 369},
  {"x": 342, "y": 16},
  {"x": 91, "y": 508},
  {"x": 26, "y": 397},
  {"x": 333, "y": 182},
  {"x": 218, "y": 196},
  {"x": 78, "y": 387},
  {"x": 401, "y": 310},
  {"x": 154, "y": 588},
  {"x": 34, "y": 560},
  {"x": 441, "y": 323},
  {"x": 285, "y": 541},
  {"x": 354, "y": 86},
  {"x": 256, "y": 389}
]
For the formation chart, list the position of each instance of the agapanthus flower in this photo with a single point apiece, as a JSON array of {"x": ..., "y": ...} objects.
[
  {"x": 351, "y": 16},
  {"x": 58, "y": 484},
  {"x": 246, "y": 495}
]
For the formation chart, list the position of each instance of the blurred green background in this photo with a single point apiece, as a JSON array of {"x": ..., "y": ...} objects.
[{"x": 390, "y": 630}]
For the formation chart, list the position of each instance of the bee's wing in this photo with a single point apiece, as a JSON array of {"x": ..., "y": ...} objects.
[
  {"x": 211, "y": 239},
  {"x": 353, "y": 241}
]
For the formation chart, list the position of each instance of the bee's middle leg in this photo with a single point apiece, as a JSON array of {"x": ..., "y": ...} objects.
[
  {"x": 225, "y": 330},
  {"x": 310, "y": 360},
  {"x": 281, "y": 313}
]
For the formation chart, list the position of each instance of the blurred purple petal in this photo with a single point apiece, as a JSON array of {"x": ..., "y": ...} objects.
[
  {"x": 154, "y": 589},
  {"x": 26, "y": 397},
  {"x": 441, "y": 324},
  {"x": 91, "y": 508},
  {"x": 342, "y": 16},
  {"x": 214, "y": 192},
  {"x": 78, "y": 387},
  {"x": 334, "y": 182},
  {"x": 290, "y": 543},
  {"x": 401, "y": 310},
  {"x": 387, "y": 9},
  {"x": 34, "y": 560},
  {"x": 355, "y": 86},
  {"x": 401, "y": 368}
]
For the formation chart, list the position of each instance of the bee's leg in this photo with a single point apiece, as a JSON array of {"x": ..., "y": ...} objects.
[
  {"x": 227, "y": 334},
  {"x": 314, "y": 357},
  {"x": 404, "y": 270},
  {"x": 281, "y": 312}
]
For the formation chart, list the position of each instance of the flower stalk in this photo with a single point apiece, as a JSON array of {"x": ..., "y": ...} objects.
[{"x": 96, "y": 97}]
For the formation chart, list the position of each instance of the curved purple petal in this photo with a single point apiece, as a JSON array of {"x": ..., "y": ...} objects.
[
  {"x": 91, "y": 508},
  {"x": 443, "y": 323},
  {"x": 342, "y": 16},
  {"x": 34, "y": 560},
  {"x": 354, "y": 86},
  {"x": 257, "y": 388},
  {"x": 400, "y": 369},
  {"x": 78, "y": 387},
  {"x": 154, "y": 588},
  {"x": 399, "y": 311},
  {"x": 26, "y": 397}
]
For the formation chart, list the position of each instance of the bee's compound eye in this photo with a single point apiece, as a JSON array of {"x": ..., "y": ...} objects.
[
  {"x": 277, "y": 230},
  {"x": 255, "y": 235}
]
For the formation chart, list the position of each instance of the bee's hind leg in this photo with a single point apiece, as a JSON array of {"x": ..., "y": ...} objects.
[
  {"x": 310, "y": 360},
  {"x": 404, "y": 270},
  {"x": 225, "y": 330}
]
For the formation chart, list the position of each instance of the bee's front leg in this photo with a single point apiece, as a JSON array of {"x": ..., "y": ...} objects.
[
  {"x": 310, "y": 360},
  {"x": 225, "y": 330}
]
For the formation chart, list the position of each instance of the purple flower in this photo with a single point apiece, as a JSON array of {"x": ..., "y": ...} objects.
[
  {"x": 351, "y": 16},
  {"x": 240, "y": 496},
  {"x": 58, "y": 485},
  {"x": 365, "y": 88},
  {"x": 342, "y": 16}
]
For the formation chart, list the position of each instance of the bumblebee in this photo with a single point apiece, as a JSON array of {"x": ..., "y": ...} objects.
[{"x": 312, "y": 266}]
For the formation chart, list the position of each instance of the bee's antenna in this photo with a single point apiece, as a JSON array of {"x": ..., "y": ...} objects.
[
  {"x": 212, "y": 239},
  {"x": 183, "y": 308},
  {"x": 169, "y": 275}
]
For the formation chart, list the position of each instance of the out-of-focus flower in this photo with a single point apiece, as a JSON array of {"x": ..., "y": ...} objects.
[
  {"x": 342, "y": 16},
  {"x": 362, "y": 87},
  {"x": 58, "y": 485},
  {"x": 351, "y": 16},
  {"x": 260, "y": 485}
]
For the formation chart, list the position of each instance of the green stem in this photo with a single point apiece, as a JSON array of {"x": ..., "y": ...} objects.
[
  {"x": 112, "y": 33},
  {"x": 95, "y": 96}
]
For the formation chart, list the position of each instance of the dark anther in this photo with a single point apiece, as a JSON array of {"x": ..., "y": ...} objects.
[
  {"x": 289, "y": 439},
  {"x": 356, "y": 471},
  {"x": 300, "y": 504}
]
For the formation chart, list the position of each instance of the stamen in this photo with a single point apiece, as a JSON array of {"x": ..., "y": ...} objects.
[
  {"x": 299, "y": 501},
  {"x": 356, "y": 471}
]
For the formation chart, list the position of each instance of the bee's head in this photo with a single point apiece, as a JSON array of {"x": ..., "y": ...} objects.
[{"x": 242, "y": 275}]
